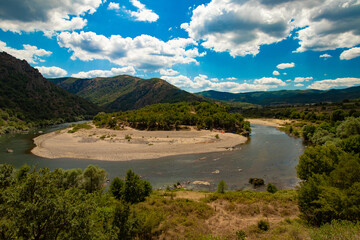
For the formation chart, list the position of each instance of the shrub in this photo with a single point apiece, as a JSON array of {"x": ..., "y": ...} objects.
[
  {"x": 263, "y": 225},
  {"x": 241, "y": 235},
  {"x": 271, "y": 188},
  {"x": 257, "y": 182},
  {"x": 222, "y": 187}
]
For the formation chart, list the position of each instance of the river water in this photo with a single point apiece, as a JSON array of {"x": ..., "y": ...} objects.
[{"x": 269, "y": 154}]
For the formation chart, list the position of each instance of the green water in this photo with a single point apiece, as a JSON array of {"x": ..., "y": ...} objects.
[{"x": 270, "y": 154}]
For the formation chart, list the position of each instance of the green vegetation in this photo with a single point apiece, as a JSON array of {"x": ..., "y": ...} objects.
[
  {"x": 271, "y": 188},
  {"x": 77, "y": 127},
  {"x": 286, "y": 97},
  {"x": 222, "y": 187},
  {"x": 74, "y": 204},
  {"x": 125, "y": 92},
  {"x": 28, "y": 100},
  {"x": 168, "y": 116},
  {"x": 263, "y": 225}
]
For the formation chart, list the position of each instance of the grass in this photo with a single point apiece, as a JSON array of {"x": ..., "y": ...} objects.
[
  {"x": 77, "y": 127},
  {"x": 173, "y": 215}
]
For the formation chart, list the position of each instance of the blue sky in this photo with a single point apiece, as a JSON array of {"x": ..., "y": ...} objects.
[{"x": 224, "y": 45}]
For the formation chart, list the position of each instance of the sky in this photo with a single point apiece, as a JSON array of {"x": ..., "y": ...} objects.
[{"x": 196, "y": 45}]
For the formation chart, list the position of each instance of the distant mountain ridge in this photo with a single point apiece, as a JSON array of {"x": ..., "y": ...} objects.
[
  {"x": 124, "y": 92},
  {"x": 24, "y": 90},
  {"x": 285, "y": 97}
]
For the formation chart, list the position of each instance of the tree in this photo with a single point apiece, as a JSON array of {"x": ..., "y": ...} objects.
[
  {"x": 222, "y": 187},
  {"x": 117, "y": 188},
  {"x": 135, "y": 189},
  {"x": 94, "y": 178}
]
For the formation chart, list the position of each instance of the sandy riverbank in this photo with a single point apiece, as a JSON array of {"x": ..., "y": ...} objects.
[
  {"x": 268, "y": 121},
  {"x": 131, "y": 144}
]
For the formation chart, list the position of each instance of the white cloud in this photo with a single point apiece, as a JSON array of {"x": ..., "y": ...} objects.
[
  {"x": 105, "y": 73},
  {"x": 276, "y": 73},
  {"x": 302, "y": 79},
  {"x": 284, "y": 73},
  {"x": 350, "y": 54},
  {"x": 299, "y": 85},
  {"x": 113, "y": 6},
  {"x": 334, "y": 83},
  {"x": 52, "y": 72},
  {"x": 143, "y": 52},
  {"x": 285, "y": 65},
  {"x": 142, "y": 14},
  {"x": 202, "y": 83},
  {"x": 241, "y": 27},
  {"x": 168, "y": 72},
  {"x": 47, "y": 16},
  {"x": 30, "y": 53},
  {"x": 231, "y": 78},
  {"x": 325, "y": 56}
]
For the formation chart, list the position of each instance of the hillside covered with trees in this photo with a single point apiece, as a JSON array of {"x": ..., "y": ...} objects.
[
  {"x": 124, "y": 92},
  {"x": 27, "y": 99},
  {"x": 166, "y": 116},
  {"x": 286, "y": 97}
]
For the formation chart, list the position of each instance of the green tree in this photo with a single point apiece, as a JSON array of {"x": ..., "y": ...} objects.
[
  {"x": 94, "y": 178},
  {"x": 117, "y": 188},
  {"x": 222, "y": 187},
  {"x": 135, "y": 189}
]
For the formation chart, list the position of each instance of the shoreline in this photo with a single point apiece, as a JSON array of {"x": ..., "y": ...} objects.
[
  {"x": 271, "y": 122},
  {"x": 131, "y": 144}
]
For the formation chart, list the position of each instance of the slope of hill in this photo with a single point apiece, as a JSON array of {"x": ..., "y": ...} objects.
[
  {"x": 125, "y": 92},
  {"x": 284, "y": 97},
  {"x": 28, "y": 96}
]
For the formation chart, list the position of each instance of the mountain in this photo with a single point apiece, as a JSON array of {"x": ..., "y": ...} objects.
[
  {"x": 285, "y": 97},
  {"x": 24, "y": 91},
  {"x": 125, "y": 92}
]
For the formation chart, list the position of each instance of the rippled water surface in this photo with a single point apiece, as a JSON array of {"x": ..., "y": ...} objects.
[{"x": 269, "y": 154}]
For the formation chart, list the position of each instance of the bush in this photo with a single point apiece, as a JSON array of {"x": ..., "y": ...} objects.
[
  {"x": 263, "y": 225},
  {"x": 241, "y": 235},
  {"x": 271, "y": 188},
  {"x": 257, "y": 182},
  {"x": 222, "y": 187}
]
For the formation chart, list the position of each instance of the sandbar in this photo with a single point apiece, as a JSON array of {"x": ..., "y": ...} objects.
[
  {"x": 268, "y": 121},
  {"x": 132, "y": 144}
]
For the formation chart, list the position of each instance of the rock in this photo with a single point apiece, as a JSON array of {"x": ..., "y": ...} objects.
[
  {"x": 9, "y": 150},
  {"x": 201, "y": 183},
  {"x": 216, "y": 171}
]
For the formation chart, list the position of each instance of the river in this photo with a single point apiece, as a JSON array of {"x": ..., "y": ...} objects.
[{"x": 269, "y": 154}]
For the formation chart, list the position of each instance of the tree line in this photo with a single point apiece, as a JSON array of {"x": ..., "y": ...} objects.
[
  {"x": 167, "y": 116},
  {"x": 70, "y": 204}
]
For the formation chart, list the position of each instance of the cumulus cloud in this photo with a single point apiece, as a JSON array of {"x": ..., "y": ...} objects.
[
  {"x": 241, "y": 27},
  {"x": 105, "y": 73},
  {"x": 276, "y": 73},
  {"x": 325, "y": 56},
  {"x": 143, "y": 52},
  {"x": 47, "y": 16},
  {"x": 142, "y": 14},
  {"x": 168, "y": 72},
  {"x": 113, "y": 6},
  {"x": 202, "y": 82},
  {"x": 30, "y": 53},
  {"x": 52, "y": 72},
  {"x": 334, "y": 83},
  {"x": 299, "y": 85},
  {"x": 350, "y": 54},
  {"x": 285, "y": 65},
  {"x": 302, "y": 79}
]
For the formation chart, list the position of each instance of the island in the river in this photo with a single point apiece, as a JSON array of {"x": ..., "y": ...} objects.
[{"x": 132, "y": 144}]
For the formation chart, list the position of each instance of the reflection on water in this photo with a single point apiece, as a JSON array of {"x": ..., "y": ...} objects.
[{"x": 270, "y": 154}]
